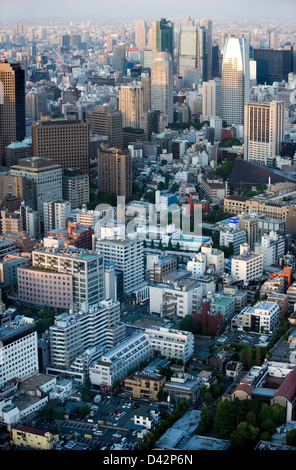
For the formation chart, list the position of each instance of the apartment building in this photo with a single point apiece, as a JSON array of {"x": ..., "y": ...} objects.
[
  {"x": 173, "y": 344},
  {"x": 86, "y": 270},
  {"x": 116, "y": 363},
  {"x": 144, "y": 385},
  {"x": 75, "y": 331},
  {"x": 115, "y": 172},
  {"x": 19, "y": 351},
  {"x": 263, "y": 317},
  {"x": 127, "y": 257},
  {"x": 37, "y": 286},
  {"x": 247, "y": 265}
]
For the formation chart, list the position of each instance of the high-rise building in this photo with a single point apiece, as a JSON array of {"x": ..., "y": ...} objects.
[
  {"x": 87, "y": 272},
  {"x": 162, "y": 85},
  {"x": 44, "y": 180},
  {"x": 64, "y": 141},
  {"x": 75, "y": 187},
  {"x": 211, "y": 98},
  {"x": 105, "y": 120},
  {"x": 187, "y": 54},
  {"x": 128, "y": 257},
  {"x": 146, "y": 84},
  {"x": 204, "y": 49},
  {"x": 263, "y": 130},
  {"x": 235, "y": 80},
  {"x": 274, "y": 40},
  {"x": 273, "y": 65},
  {"x": 163, "y": 36},
  {"x": 36, "y": 105},
  {"x": 140, "y": 34},
  {"x": 115, "y": 172},
  {"x": 12, "y": 104},
  {"x": 131, "y": 105}
]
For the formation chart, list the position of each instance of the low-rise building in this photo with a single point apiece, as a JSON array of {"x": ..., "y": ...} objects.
[
  {"x": 24, "y": 436},
  {"x": 144, "y": 385},
  {"x": 263, "y": 317}
]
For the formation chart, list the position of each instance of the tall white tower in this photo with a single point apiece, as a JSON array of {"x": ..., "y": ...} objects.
[
  {"x": 162, "y": 84},
  {"x": 235, "y": 79}
]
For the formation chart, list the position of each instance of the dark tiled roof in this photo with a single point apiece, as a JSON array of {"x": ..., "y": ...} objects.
[{"x": 251, "y": 173}]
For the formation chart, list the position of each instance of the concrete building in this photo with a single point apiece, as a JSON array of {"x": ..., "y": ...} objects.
[
  {"x": 162, "y": 84},
  {"x": 44, "y": 288},
  {"x": 175, "y": 300},
  {"x": 75, "y": 187},
  {"x": 197, "y": 266},
  {"x": 262, "y": 317},
  {"x": 19, "y": 354},
  {"x": 144, "y": 385},
  {"x": 115, "y": 172},
  {"x": 247, "y": 265},
  {"x": 44, "y": 178},
  {"x": 64, "y": 141},
  {"x": 173, "y": 344},
  {"x": 104, "y": 120},
  {"x": 235, "y": 80},
  {"x": 116, "y": 363},
  {"x": 232, "y": 235},
  {"x": 76, "y": 331},
  {"x": 211, "y": 99},
  {"x": 87, "y": 271},
  {"x": 215, "y": 258},
  {"x": 127, "y": 257},
  {"x": 25, "y": 436},
  {"x": 264, "y": 125},
  {"x": 131, "y": 105}
]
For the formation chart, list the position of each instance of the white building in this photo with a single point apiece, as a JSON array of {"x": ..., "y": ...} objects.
[
  {"x": 233, "y": 234},
  {"x": 215, "y": 258},
  {"x": 235, "y": 79},
  {"x": 127, "y": 257},
  {"x": 116, "y": 363},
  {"x": 263, "y": 317},
  {"x": 174, "y": 344},
  {"x": 246, "y": 266},
  {"x": 75, "y": 332},
  {"x": 177, "y": 299},
  {"x": 19, "y": 351},
  {"x": 197, "y": 266}
]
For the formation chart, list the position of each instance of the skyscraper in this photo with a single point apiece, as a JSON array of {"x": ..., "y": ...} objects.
[
  {"x": 163, "y": 36},
  {"x": 263, "y": 130},
  {"x": 204, "y": 50},
  {"x": 131, "y": 105},
  {"x": 64, "y": 141},
  {"x": 235, "y": 80},
  {"x": 105, "y": 120},
  {"x": 12, "y": 104},
  {"x": 115, "y": 172},
  {"x": 211, "y": 99},
  {"x": 140, "y": 34},
  {"x": 195, "y": 50},
  {"x": 162, "y": 86}
]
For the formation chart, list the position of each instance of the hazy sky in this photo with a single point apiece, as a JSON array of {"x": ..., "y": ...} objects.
[{"x": 26, "y": 9}]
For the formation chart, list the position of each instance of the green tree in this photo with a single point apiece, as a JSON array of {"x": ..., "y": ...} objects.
[
  {"x": 244, "y": 437},
  {"x": 83, "y": 411},
  {"x": 206, "y": 421},
  {"x": 291, "y": 438},
  {"x": 225, "y": 420}
]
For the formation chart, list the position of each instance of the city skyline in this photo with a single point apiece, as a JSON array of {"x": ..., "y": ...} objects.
[{"x": 32, "y": 9}]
